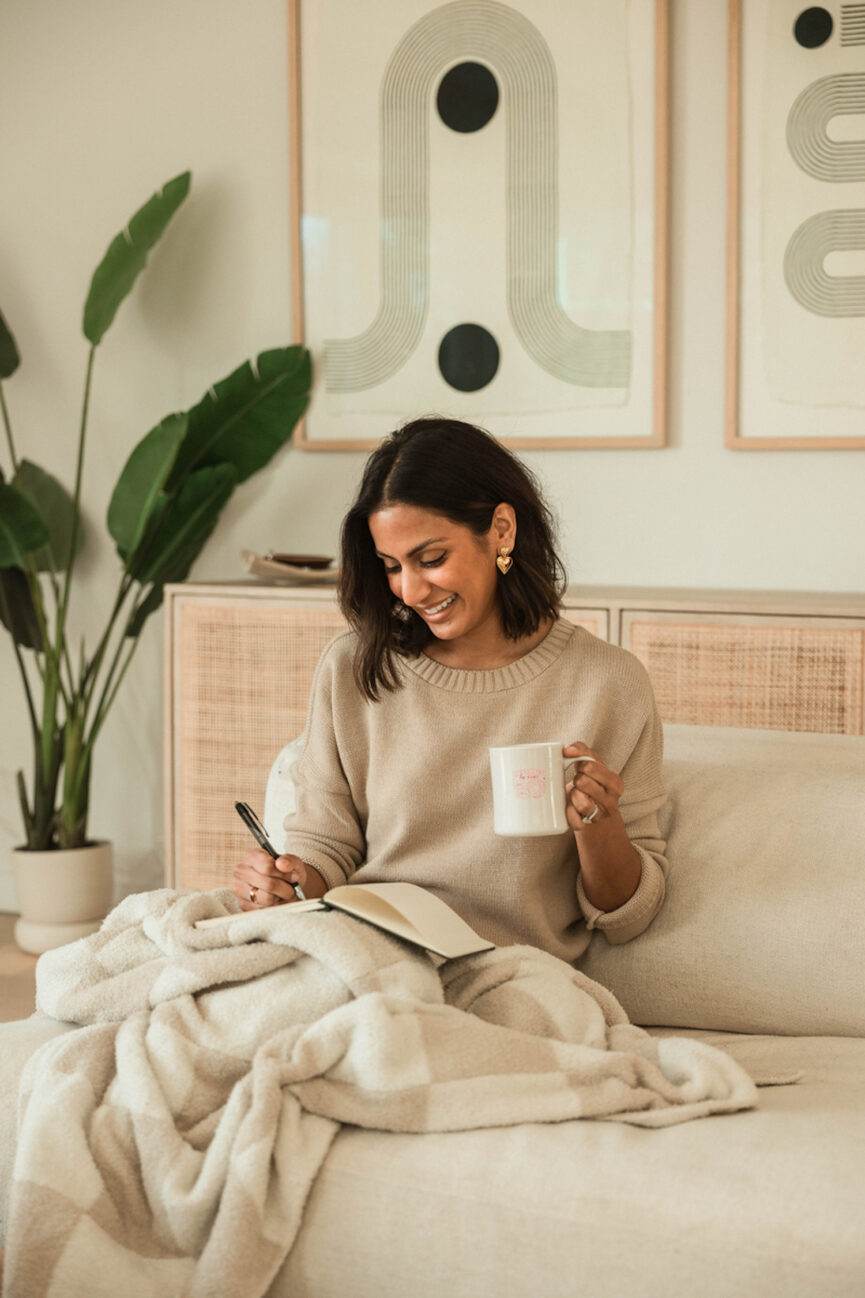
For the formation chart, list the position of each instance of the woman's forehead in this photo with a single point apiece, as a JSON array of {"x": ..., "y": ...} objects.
[{"x": 410, "y": 522}]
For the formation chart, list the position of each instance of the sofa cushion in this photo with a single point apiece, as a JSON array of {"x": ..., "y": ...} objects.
[
  {"x": 763, "y": 1204},
  {"x": 18, "y": 1041},
  {"x": 762, "y": 927},
  {"x": 279, "y": 796}
]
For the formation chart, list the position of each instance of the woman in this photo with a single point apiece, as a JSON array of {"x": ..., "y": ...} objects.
[{"x": 451, "y": 585}]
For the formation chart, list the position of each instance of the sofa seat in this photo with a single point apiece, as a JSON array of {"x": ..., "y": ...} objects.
[
  {"x": 759, "y": 1204},
  {"x": 758, "y": 949}
]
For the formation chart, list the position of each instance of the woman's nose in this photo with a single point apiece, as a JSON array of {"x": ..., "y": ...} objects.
[{"x": 415, "y": 587}]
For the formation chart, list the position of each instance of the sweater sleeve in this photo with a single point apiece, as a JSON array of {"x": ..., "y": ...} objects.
[
  {"x": 639, "y": 806},
  {"x": 325, "y": 829}
]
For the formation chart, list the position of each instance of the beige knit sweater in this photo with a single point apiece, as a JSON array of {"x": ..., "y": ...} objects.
[{"x": 400, "y": 789}]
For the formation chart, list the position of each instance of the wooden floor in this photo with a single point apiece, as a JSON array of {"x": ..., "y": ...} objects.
[{"x": 17, "y": 975}]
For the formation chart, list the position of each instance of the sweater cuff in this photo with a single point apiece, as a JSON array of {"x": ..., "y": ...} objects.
[
  {"x": 637, "y": 913},
  {"x": 333, "y": 874}
]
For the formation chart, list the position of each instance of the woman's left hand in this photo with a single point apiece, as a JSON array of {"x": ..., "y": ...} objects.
[{"x": 592, "y": 795}]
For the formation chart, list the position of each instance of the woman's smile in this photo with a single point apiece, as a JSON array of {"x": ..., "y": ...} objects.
[{"x": 436, "y": 612}]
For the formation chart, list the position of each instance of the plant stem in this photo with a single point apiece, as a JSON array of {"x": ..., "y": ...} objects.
[
  {"x": 55, "y": 590},
  {"x": 89, "y": 676},
  {"x": 71, "y": 823},
  {"x": 105, "y": 703},
  {"x": 79, "y": 744},
  {"x": 54, "y": 658},
  {"x": 7, "y": 424},
  {"x": 30, "y": 705},
  {"x": 107, "y": 696},
  {"x": 51, "y": 659},
  {"x": 79, "y": 784},
  {"x": 76, "y": 503}
]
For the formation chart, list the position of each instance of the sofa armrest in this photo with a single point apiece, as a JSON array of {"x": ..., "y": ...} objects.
[{"x": 279, "y": 796}]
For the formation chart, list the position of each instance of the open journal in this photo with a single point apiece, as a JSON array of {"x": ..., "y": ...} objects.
[{"x": 403, "y": 909}]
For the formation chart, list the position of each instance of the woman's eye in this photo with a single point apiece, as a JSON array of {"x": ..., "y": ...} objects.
[{"x": 424, "y": 563}]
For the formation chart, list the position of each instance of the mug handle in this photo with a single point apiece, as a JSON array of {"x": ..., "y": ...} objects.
[{"x": 573, "y": 761}]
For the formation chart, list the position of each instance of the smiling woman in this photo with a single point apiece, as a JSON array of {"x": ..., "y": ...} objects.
[
  {"x": 450, "y": 580},
  {"x": 445, "y": 510},
  {"x": 451, "y": 585}
]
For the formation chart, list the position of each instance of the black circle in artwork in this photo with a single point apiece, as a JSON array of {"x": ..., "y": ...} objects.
[
  {"x": 813, "y": 27},
  {"x": 467, "y": 97},
  {"x": 468, "y": 357}
]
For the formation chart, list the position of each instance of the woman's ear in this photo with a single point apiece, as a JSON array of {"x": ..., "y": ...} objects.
[{"x": 504, "y": 526}]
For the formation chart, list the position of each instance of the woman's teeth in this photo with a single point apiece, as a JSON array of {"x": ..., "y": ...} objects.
[{"x": 438, "y": 608}]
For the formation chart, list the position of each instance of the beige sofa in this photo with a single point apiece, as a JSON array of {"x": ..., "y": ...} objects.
[{"x": 759, "y": 949}]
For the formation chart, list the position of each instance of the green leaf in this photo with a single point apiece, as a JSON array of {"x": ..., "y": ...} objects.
[
  {"x": 127, "y": 255},
  {"x": 145, "y": 608},
  {"x": 56, "y": 509},
  {"x": 17, "y": 610},
  {"x": 140, "y": 485},
  {"x": 185, "y": 527},
  {"x": 9, "y": 358},
  {"x": 21, "y": 528},
  {"x": 248, "y": 416}
]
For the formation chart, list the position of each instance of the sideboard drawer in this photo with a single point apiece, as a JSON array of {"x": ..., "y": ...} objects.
[
  {"x": 596, "y": 620},
  {"x": 769, "y": 673},
  {"x": 240, "y": 675}
]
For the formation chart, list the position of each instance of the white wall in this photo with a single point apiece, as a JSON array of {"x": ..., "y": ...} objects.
[{"x": 100, "y": 102}]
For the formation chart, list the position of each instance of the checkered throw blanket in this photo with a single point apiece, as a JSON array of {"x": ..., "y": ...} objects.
[{"x": 168, "y": 1146}]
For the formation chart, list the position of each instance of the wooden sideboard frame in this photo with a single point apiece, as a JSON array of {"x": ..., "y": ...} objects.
[{"x": 611, "y": 609}]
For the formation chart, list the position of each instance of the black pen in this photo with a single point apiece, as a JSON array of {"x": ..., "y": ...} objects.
[{"x": 255, "y": 827}]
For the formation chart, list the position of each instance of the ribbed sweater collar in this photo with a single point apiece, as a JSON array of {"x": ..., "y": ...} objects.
[{"x": 462, "y": 681}]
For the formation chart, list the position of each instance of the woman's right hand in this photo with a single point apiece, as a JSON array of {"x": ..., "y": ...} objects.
[{"x": 261, "y": 881}]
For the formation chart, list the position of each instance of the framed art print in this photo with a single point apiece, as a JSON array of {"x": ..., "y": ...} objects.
[
  {"x": 480, "y": 217},
  {"x": 796, "y": 226}
]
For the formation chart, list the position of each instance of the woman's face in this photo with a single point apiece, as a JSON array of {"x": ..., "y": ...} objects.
[{"x": 441, "y": 569}]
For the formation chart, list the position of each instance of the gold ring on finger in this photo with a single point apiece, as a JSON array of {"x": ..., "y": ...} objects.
[{"x": 253, "y": 895}]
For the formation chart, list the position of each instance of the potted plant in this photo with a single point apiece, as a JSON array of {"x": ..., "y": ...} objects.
[{"x": 163, "y": 509}]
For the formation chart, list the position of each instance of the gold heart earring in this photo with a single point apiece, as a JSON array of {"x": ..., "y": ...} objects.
[{"x": 504, "y": 560}]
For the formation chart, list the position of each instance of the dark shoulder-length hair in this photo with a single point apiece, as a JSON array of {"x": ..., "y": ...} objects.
[{"x": 461, "y": 472}]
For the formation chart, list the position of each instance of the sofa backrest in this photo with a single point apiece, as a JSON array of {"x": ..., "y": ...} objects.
[{"x": 763, "y": 926}]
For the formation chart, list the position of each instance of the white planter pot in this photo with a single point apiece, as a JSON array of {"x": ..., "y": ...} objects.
[{"x": 62, "y": 895}]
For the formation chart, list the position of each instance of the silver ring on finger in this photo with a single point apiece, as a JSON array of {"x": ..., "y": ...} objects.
[
  {"x": 253, "y": 895},
  {"x": 587, "y": 820}
]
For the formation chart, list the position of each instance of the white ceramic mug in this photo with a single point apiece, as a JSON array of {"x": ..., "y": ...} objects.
[{"x": 529, "y": 789}]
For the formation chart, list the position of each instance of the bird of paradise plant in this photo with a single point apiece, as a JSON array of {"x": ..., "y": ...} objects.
[{"x": 163, "y": 509}]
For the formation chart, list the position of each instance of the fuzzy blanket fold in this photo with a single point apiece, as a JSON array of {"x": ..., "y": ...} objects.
[{"x": 169, "y": 1146}]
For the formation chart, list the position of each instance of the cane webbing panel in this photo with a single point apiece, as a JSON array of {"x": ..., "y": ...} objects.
[
  {"x": 593, "y": 620},
  {"x": 242, "y": 681},
  {"x": 771, "y": 676}
]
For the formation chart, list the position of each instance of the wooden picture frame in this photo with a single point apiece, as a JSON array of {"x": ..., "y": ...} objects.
[
  {"x": 795, "y": 356},
  {"x": 423, "y": 278}
]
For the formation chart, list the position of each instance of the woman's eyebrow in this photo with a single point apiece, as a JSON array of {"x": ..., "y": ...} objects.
[{"x": 434, "y": 540}]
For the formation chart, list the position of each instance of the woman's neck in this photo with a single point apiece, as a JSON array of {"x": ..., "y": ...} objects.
[{"x": 486, "y": 653}]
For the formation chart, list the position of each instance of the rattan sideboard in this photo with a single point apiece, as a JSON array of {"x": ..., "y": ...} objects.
[{"x": 240, "y": 658}]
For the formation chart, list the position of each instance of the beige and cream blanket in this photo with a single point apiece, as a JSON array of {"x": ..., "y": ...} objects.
[{"x": 170, "y": 1144}]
